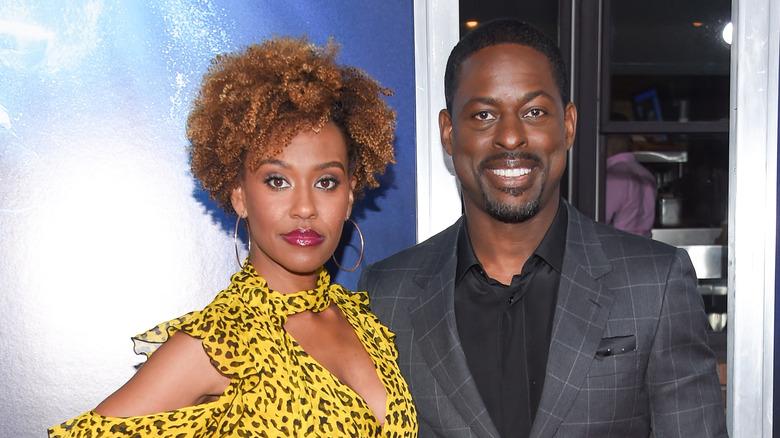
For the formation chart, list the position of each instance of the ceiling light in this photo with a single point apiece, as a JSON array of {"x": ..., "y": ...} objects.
[{"x": 727, "y": 30}]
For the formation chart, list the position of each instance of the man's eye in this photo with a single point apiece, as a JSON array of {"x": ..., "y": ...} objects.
[
  {"x": 483, "y": 115},
  {"x": 534, "y": 113}
]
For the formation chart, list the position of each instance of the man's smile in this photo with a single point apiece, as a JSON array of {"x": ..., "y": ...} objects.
[{"x": 510, "y": 173}]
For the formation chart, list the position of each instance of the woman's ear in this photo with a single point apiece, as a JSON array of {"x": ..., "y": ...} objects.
[
  {"x": 237, "y": 198},
  {"x": 352, "y": 184}
]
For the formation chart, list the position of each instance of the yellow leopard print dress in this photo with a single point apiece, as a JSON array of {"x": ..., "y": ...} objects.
[{"x": 276, "y": 390}]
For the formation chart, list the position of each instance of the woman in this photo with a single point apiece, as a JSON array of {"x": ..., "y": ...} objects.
[{"x": 285, "y": 138}]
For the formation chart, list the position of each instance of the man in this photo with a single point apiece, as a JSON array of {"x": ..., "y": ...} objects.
[
  {"x": 631, "y": 188},
  {"x": 525, "y": 318}
]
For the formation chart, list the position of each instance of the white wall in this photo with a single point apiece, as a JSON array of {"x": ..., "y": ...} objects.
[{"x": 101, "y": 236}]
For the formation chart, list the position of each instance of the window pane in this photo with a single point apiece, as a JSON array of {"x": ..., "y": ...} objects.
[
  {"x": 691, "y": 173},
  {"x": 669, "y": 60},
  {"x": 542, "y": 15}
]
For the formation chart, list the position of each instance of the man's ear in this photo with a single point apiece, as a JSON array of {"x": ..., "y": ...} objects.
[
  {"x": 570, "y": 123},
  {"x": 237, "y": 198},
  {"x": 445, "y": 130}
]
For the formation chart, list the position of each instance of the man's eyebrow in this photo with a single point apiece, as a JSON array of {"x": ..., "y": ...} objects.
[
  {"x": 526, "y": 97},
  {"x": 535, "y": 94},
  {"x": 485, "y": 100}
]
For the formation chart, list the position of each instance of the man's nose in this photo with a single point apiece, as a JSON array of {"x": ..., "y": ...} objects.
[{"x": 511, "y": 133}]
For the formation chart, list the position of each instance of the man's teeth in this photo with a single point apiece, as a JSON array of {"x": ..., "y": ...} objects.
[{"x": 511, "y": 173}]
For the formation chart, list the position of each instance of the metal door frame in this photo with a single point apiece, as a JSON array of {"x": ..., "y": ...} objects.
[{"x": 753, "y": 143}]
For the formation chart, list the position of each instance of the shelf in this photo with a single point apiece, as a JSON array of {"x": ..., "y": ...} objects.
[
  {"x": 661, "y": 156},
  {"x": 718, "y": 126}
]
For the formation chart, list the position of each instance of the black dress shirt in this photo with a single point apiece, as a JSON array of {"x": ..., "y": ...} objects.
[{"x": 505, "y": 330}]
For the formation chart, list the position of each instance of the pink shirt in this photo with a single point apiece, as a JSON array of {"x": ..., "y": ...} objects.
[{"x": 631, "y": 193}]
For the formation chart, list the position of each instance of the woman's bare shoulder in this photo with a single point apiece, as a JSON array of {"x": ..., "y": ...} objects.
[{"x": 177, "y": 375}]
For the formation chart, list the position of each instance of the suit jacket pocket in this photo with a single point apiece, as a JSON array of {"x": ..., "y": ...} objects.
[
  {"x": 615, "y": 355},
  {"x": 616, "y": 345}
]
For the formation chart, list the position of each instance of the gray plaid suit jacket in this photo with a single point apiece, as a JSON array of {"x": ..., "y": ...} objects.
[{"x": 617, "y": 292}]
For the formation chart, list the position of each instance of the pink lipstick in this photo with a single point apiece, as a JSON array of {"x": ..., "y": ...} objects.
[{"x": 301, "y": 237}]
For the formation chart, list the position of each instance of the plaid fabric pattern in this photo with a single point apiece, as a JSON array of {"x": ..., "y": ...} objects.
[{"x": 616, "y": 289}]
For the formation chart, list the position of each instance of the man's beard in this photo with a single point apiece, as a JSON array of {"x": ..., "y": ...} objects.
[
  {"x": 511, "y": 214},
  {"x": 508, "y": 213}
]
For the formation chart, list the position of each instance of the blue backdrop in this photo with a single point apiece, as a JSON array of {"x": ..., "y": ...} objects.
[
  {"x": 135, "y": 66},
  {"x": 103, "y": 231}
]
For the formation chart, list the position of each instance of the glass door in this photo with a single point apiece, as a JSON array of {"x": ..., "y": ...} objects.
[
  {"x": 665, "y": 88},
  {"x": 650, "y": 79}
]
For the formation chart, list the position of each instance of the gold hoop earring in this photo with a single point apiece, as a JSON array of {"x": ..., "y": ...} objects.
[
  {"x": 362, "y": 248},
  {"x": 235, "y": 240}
]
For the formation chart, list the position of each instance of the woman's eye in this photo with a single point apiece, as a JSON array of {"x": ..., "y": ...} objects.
[
  {"x": 276, "y": 182},
  {"x": 327, "y": 183}
]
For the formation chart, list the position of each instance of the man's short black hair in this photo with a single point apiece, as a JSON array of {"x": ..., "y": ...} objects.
[{"x": 504, "y": 31}]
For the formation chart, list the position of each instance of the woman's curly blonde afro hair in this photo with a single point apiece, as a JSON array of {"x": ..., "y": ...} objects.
[{"x": 252, "y": 103}]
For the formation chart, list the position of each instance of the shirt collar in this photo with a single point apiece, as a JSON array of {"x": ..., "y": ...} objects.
[{"x": 550, "y": 249}]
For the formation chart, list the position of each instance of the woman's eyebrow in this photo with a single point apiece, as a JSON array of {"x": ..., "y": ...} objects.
[
  {"x": 286, "y": 165},
  {"x": 275, "y": 161},
  {"x": 338, "y": 164}
]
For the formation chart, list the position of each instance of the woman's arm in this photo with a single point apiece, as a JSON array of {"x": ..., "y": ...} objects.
[{"x": 178, "y": 374}]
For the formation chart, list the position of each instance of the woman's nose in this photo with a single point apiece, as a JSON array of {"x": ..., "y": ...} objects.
[{"x": 303, "y": 204}]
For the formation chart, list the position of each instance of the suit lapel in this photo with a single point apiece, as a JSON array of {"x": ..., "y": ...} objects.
[
  {"x": 433, "y": 319},
  {"x": 581, "y": 313}
]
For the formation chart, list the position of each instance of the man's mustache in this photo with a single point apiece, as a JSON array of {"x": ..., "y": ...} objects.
[{"x": 508, "y": 156}]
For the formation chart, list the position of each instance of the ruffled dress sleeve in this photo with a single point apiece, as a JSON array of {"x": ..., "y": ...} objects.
[
  {"x": 223, "y": 326},
  {"x": 276, "y": 389}
]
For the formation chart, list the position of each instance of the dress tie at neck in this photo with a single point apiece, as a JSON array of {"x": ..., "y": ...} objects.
[{"x": 255, "y": 287}]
